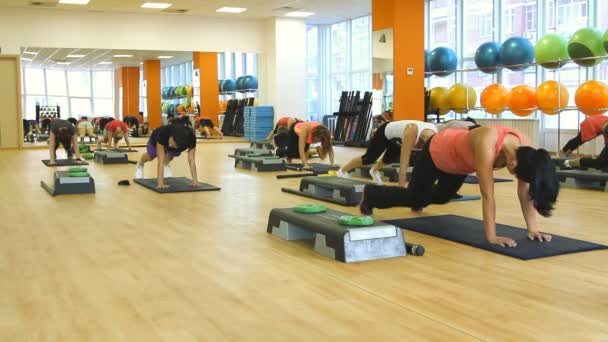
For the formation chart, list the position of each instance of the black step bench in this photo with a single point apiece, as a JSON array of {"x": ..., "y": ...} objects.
[
  {"x": 260, "y": 164},
  {"x": 581, "y": 179},
  {"x": 63, "y": 184},
  {"x": 333, "y": 240}
]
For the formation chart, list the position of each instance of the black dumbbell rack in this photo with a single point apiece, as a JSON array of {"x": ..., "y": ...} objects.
[{"x": 353, "y": 120}]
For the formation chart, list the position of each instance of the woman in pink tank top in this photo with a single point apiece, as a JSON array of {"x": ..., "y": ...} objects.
[
  {"x": 449, "y": 156},
  {"x": 299, "y": 138},
  {"x": 591, "y": 128}
]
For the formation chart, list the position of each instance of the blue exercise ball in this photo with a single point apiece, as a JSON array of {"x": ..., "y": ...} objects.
[
  {"x": 517, "y": 53},
  {"x": 487, "y": 57},
  {"x": 229, "y": 85},
  {"x": 443, "y": 61},
  {"x": 250, "y": 82},
  {"x": 240, "y": 83},
  {"x": 427, "y": 67}
]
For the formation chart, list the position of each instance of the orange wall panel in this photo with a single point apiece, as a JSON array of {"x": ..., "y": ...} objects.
[
  {"x": 152, "y": 78},
  {"x": 206, "y": 62},
  {"x": 129, "y": 81},
  {"x": 382, "y": 13}
]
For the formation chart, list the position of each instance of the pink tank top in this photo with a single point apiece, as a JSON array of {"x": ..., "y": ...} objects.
[
  {"x": 311, "y": 126},
  {"x": 452, "y": 152},
  {"x": 592, "y": 127}
]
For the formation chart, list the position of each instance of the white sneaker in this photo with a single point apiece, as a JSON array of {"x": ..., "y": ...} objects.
[
  {"x": 343, "y": 174},
  {"x": 139, "y": 172},
  {"x": 168, "y": 173},
  {"x": 376, "y": 176}
]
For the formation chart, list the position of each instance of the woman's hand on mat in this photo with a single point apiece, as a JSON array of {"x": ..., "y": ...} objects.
[
  {"x": 503, "y": 241},
  {"x": 162, "y": 185},
  {"x": 539, "y": 236},
  {"x": 195, "y": 183}
]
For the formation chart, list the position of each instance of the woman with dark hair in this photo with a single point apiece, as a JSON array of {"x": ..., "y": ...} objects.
[
  {"x": 591, "y": 128},
  {"x": 301, "y": 135},
  {"x": 166, "y": 143},
  {"x": 449, "y": 156},
  {"x": 64, "y": 133},
  {"x": 133, "y": 124},
  {"x": 205, "y": 126}
]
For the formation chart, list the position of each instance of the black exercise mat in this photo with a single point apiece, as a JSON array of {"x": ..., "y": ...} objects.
[
  {"x": 64, "y": 162},
  {"x": 120, "y": 150},
  {"x": 176, "y": 184},
  {"x": 470, "y": 232},
  {"x": 472, "y": 179}
]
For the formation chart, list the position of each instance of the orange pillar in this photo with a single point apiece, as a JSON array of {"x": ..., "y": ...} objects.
[
  {"x": 129, "y": 81},
  {"x": 407, "y": 20},
  {"x": 152, "y": 79},
  {"x": 206, "y": 62}
]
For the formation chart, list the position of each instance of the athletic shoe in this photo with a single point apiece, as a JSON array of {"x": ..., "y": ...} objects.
[
  {"x": 139, "y": 172},
  {"x": 376, "y": 177},
  {"x": 343, "y": 174},
  {"x": 168, "y": 173}
]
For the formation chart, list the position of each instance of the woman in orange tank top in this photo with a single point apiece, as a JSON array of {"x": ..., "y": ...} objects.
[
  {"x": 591, "y": 128},
  {"x": 301, "y": 136},
  {"x": 281, "y": 128},
  {"x": 450, "y": 155}
]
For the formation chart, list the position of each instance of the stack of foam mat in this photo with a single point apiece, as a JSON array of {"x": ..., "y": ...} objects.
[{"x": 258, "y": 122}]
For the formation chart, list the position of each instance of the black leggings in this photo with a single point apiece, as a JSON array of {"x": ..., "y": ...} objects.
[
  {"x": 601, "y": 162},
  {"x": 573, "y": 144},
  {"x": 292, "y": 150},
  {"x": 381, "y": 144},
  {"x": 428, "y": 185}
]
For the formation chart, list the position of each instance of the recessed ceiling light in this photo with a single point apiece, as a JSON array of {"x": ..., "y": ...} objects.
[
  {"x": 29, "y": 53},
  {"x": 157, "y": 5},
  {"x": 231, "y": 10},
  {"x": 74, "y": 2},
  {"x": 75, "y": 56},
  {"x": 26, "y": 59},
  {"x": 297, "y": 14},
  {"x": 164, "y": 57},
  {"x": 64, "y": 63},
  {"x": 105, "y": 63},
  {"x": 122, "y": 56}
]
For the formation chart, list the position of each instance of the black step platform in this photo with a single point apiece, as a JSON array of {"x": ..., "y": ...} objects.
[
  {"x": 262, "y": 144},
  {"x": 260, "y": 164},
  {"x": 244, "y": 151},
  {"x": 333, "y": 240},
  {"x": 64, "y": 162},
  {"x": 176, "y": 184},
  {"x": 63, "y": 184},
  {"x": 582, "y": 179},
  {"x": 331, "y": 189},
  {"x": 122, "y": 150},
  {"x": 111, "y": 157}
]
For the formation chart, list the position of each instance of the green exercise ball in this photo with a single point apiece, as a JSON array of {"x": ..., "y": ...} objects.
[
  {"x": 551, "y": 51},
  {"x": 606, "y": 41},
  {"x": 585, "y": 43}
]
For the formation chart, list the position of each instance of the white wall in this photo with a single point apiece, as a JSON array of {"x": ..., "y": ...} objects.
[
  {"x": 20, "y": 27},
  {"x": 286, "y": 71}
]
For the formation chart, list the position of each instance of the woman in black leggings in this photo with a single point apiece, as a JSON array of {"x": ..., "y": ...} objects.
[{"x": 591, "y": 128}]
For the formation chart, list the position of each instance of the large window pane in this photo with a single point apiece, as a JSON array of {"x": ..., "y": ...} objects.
[
  {"x": 104, "y": 107},
  {"x": 443, "y": 24},
  {"x": 252, "y": 64},
  {"x": 239, "y": 67},
  {"x": 312, "y": 99},
  {"x": 312, "y": 50},
  {"x": 361, "y": 81},
  {"x": 62, "y": 102},
  {"x": 34, "y": 81},
  {"x": 478, "y": 24},
  {"x": 80, "y": 107},
  {"x": 79, "y": 83},
  {"x": 519, "y": 19},
  {"x": 103, "y": 85},
  {"x": 338, "y": 47},
  {"x": 567, "y": 16},
  {"x": 338, "y": 85},
  {"x": 360, "y": 50},
  {"x": 56, "y": 84},
  {"x": 30, "y": 106},
  {"x": 228, "y": 66}
]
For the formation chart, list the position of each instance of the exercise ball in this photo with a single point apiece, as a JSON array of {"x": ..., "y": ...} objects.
[
  {"x": 180, "y": 108},
  {"x": 461, "y": 97},
  {"x": 229, "y": 85},
  {"x": 522, "y": 100},
  {"x": 165, "y": 107},
  {"x": 189, "y": 91},
  {"x": 443, "y": 61},
  {"x": 591, "y": 97},
  {"x": 551, "y": 97},
  {"x": 438, "y": 102},
  {"x": 586, "y": 43},
  {"x": 551, "y": 51},
  {"x": 250, "y": 82},
  {"x": 606, "y": 41},
  {"x": 427, "y": 68},
  {"x": 173, "y": 92},
  {"x": 494, "y": 98},
  {"x": 516, "y": 53},
  {"x": 487, "y": 57},
  {"x": 239, "y": 83}
]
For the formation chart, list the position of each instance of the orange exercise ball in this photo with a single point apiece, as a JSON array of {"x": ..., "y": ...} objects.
[
  {"x": 522, "y": 100},
  {"x": 439, "y": 101},
  {"x": 551, "y": 97},
  {"x": 592, "y": 97},
  {"x": 494, "y": 98},
  {"x": 461, "y": 97}
]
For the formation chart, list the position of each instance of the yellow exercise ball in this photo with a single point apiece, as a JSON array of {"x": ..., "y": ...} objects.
[
  {"x": 439, "y": 101},
  {"x": 461, "y": 97}
]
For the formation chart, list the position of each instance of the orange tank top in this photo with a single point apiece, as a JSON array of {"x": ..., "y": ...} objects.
[
  {"x": 592, "y": 127},
  {"x": 311, "y": 125},
  {"x": 283, "y": 121},
  {"x": 452, "y": 152}
]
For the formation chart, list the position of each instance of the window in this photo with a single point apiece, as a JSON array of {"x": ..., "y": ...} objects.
[
  {"x": 56, "y": 83},
  {"x": 34, "y": 81},
  {"x": 313, "y": 86},
  {"x": 312, "y": 50},
  {"x": 338, "y": 85},
  {"x": 239, "y": 65},
  {"x": 361, "y": 81},
  {"x": 338, "y": 47},
  {"x": 79, "y": 83},
  {"x": 103, "y": 107},
  {"x": 530, "y": 18},
  {"x": 30, "y": 106},
  {"x": 80, "y": 107},
  {"x": 360, "y": 42},
  {"x": 485, "y": 25},
  {"x": 63, "y": 104},
  {"x": 251, "y": 64},
  {"x": 103, "y": 84},
  {"x": 509, "y": 21},
  {"x": 477, "y": 26},
  {"x": 443, "y": 24}
]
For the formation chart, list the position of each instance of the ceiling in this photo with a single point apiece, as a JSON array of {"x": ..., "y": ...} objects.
[
  {"x": 326, "y": 11},
  {"x": 50, "y": 57}
]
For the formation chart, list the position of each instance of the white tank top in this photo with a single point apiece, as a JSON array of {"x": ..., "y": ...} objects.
[{"x": 394, "y": 130}]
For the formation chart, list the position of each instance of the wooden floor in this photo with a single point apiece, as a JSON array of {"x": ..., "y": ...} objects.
[{"x": 127, "y": 264}]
